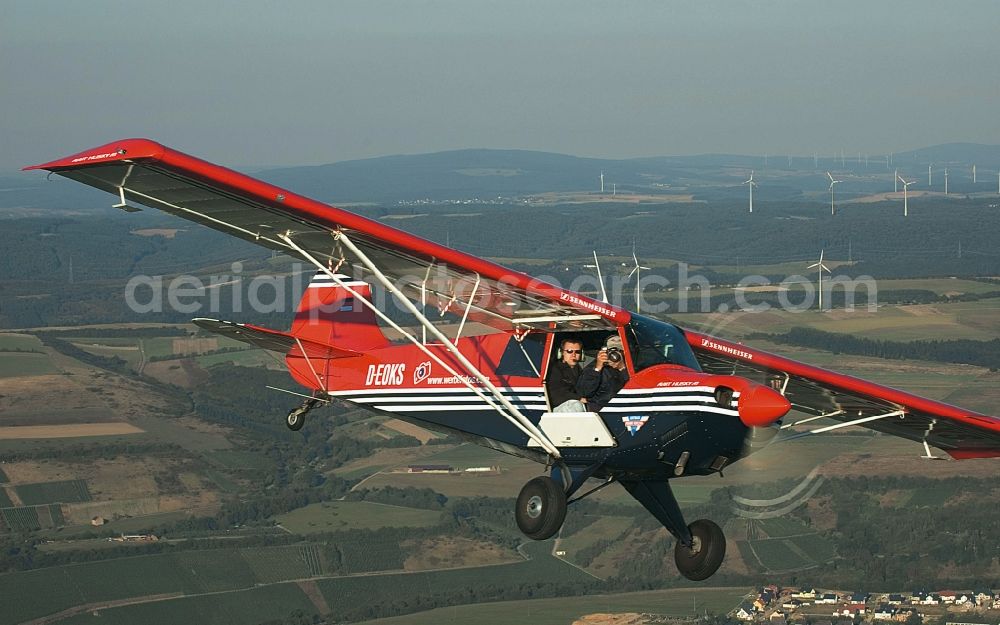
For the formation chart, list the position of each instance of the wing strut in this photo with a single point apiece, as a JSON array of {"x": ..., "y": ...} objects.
[
  {"x": 894, "y": 413},
  {"x": 515, "y": 416}
]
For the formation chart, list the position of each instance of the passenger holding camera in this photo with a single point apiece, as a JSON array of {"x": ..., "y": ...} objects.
[{"x": 602, "y": 379}]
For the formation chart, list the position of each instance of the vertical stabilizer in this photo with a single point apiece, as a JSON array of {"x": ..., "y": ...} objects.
[{"x": 329, "y": 314}]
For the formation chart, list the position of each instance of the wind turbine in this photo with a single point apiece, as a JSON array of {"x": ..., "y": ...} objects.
[
  {"x": 906, "y": 185},
  {"x": 895, "y": 181},
  {"x": 973, "y": 174},
  {"x": 929, "y": 177},
  {"x": 635, "y": 271},
  {"x": 752, "y": 184},
  {"x": 822, "y": 268},
  {"x": 602, "y": 182},
  {"x": 946, "y": 181},
  {"x": 600, "y": 278},
  {"x": 833, "y": 210}
]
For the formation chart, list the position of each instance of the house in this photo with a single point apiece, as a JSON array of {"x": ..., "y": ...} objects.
[
  {"x": 931, "y": 599},
  {"x": 852, "y": 609},
  {"x": 744, "y": 612},
  {"x": 895, "y": 599},
  {"x": 858, "y": 597},
  {"x": 805, "y": 594},
  {"x": 827, "y": 598},
  {"x": 948, "y": 596},
  {"x": 882, "y": 613},
  {"x": 984, "y": 598},
  {"x": 792, "y": 604},
  {"x": 98, "y": 521},
  {"x": 776, "y": 618},
  {"x": 903, "y": 615}
]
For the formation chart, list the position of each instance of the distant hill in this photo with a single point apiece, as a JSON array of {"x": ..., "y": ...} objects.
[{"x": 485, "y": 174}]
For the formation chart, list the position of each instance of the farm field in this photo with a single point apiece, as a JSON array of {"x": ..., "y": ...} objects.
[
  {"x": 604, "y": 528},
  {"x": 343, "y": 515},
  {"x": 563, "y": 610},
  {"x": 25, "y": 364},
  {"x": 957, "y": 320},
  {"x": 79, "y": 430},
  {"x": 256, "y": 605},
  {"x": 381, "y": 591},
  {"x": 188, "y": 572},
  {"x": 67, "y": 491},
  {"x": 25, "y": 342}
]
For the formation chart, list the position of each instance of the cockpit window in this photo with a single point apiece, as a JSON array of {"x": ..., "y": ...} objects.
[{"x": 654, "y": 342}]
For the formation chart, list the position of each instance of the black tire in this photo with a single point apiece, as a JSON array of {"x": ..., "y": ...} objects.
[
  {"x": 709, "y": 550},
  {"x": 541, "y": 508},
  {"x": 295, "y": 420}
]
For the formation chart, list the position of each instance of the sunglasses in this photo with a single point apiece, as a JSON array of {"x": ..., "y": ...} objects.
[{"x": 572, "y": 351}]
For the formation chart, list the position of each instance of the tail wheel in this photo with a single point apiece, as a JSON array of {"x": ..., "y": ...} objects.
[
  {"x": 702, "y": 559},
  {"x": 541, "y": 508},
  {"x": 296, "y": 419}
]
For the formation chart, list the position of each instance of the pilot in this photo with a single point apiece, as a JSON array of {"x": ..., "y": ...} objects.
[
  {"x": 560, "y": 382},
  {"x": 602, "y": 379}
]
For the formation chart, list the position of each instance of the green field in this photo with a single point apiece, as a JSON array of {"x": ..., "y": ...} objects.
[
  {"x": 404, "y": 590},
  {"x": 66, "y": 491},
  {"x": 190, "y": 572},
  {"x": 257, "y": 605},
  {"x": 344, "y": 515},
  {"x": 957, "y": 320},
  {"x": 24, "y": 342},
  {"x": 5, "y": 501},
  {"x": 16, "y": 364},
  {"x": 3, "y": 477},
  {"x": 20, "y": 519},
  {"x": 817, "y": 548},
  {"x": 777, "y": 555},
  {"x": 564, "y": 610},
  {"x": 608, "y": 527},
  {"x": 930, "y": 497},
  {"x": 130, "y": 355},
  {"x": 274, "y": 564},
  {"x": 781, "y": 527},
  {"x": 243, "y": 358}
]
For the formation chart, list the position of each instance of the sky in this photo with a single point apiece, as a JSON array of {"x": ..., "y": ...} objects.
[{"x": 254, "y": 84}]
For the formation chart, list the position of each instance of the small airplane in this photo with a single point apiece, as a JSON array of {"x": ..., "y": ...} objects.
[{"x": 693, "y": 404}]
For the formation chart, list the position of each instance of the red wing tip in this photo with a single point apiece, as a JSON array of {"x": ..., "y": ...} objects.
[
  {"x": 124, "y": 149},
  {"x": 969, "y": 454}
]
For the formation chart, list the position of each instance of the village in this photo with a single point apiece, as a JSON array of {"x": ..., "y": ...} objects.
[{"x": 777, "y": 606}]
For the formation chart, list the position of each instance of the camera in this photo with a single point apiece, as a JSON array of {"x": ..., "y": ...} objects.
[{"x": 615, "y": 355}]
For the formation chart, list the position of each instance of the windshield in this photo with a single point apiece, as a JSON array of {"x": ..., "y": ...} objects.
[{"x": 654, "y": 342}]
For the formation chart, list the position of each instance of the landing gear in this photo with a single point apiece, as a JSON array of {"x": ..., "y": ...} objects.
[
  {"x": 700, "y": 546},
  {"x": 702, "y": 558},
  {"x": 541, "y": 508},
  {"x": 297, "y": 416}
]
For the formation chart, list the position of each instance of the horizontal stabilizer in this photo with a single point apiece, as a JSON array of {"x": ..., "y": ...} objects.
[{"x": 273, "y": 340}]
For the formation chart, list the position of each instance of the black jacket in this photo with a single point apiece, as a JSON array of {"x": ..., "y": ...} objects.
[
  {"x": 600, "y": 386},
  {"x": 560, "y": 382}
]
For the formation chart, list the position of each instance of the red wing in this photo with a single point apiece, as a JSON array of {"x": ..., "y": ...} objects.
[
  {"x": 815, "y": 391},
  {"x": 144, "y": 172}
]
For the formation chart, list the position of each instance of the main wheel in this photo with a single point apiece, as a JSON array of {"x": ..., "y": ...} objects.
[
  {"x": 541, "y": 508},
  {"x": 296, "y": 419},
  {"x": 703, "y": 558}
]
